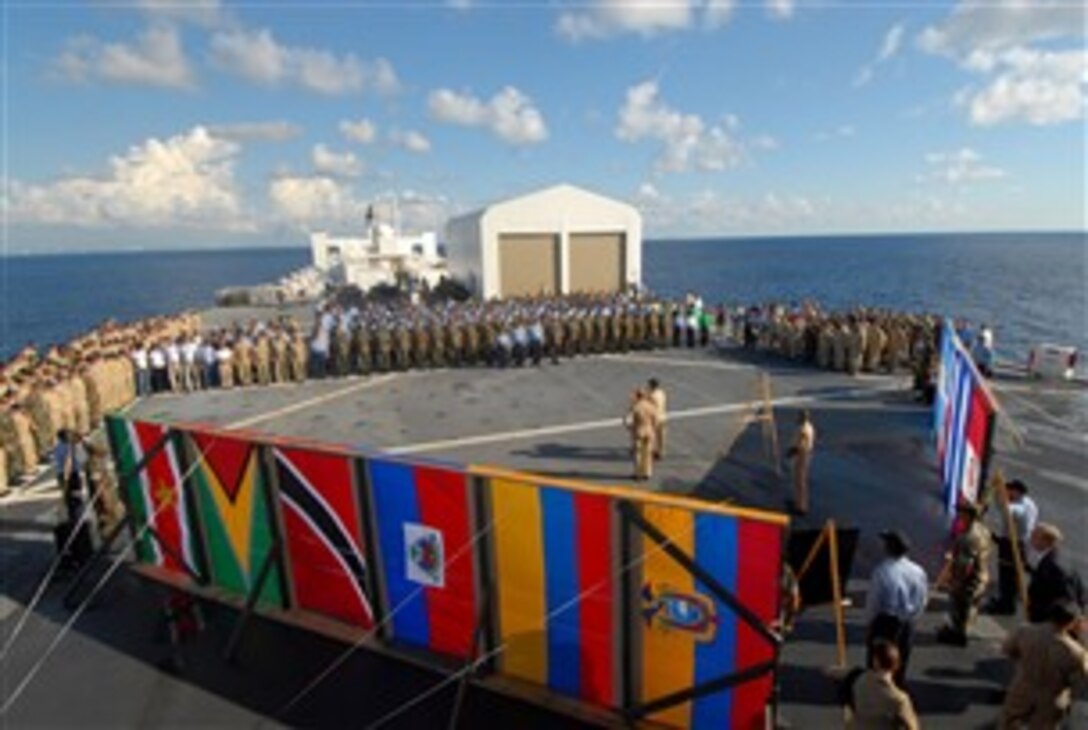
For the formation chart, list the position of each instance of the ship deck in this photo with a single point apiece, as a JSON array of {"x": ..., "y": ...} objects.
[{"x": 873, "y": 469}]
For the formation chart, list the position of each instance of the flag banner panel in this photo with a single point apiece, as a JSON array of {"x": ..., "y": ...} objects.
[
  {"x": 326, "y": 554},
  {"x": 556, "y": 591},
  {"x": 234, "y": 509},
  {"x": 689, "y": 636},
  {"x": 425, "y": 536},
  {"x": 156, "y": 495},
  {"x": 963, "y": 414}
]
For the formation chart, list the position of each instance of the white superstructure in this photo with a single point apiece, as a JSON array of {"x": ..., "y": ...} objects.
[{"x": 383, "y": 256}]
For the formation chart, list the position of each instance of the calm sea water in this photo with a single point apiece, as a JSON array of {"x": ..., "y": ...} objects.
[{"x": 1031, "y": 287}]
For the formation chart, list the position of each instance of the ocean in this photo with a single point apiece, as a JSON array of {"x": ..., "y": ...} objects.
[{"x": 1030, "y": 287}]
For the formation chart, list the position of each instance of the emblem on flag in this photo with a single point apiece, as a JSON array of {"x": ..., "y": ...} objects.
[
  {"x": 669, "y": 609},
  {"x": 424, "y": 555}
]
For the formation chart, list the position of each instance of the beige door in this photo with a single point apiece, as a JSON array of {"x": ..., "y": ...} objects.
[
  {"x": 528, "y": 264},
  {"x": 596, "y": 262}
]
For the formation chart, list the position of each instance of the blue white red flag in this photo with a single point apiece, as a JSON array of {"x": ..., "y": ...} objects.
[{"x": 963, "y": 412}]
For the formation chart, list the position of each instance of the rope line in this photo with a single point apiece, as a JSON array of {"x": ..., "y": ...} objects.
[{"x": 37, "y": 666}]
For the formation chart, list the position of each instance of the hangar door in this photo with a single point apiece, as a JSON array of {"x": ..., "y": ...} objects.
[
  {"x": 596, "y": 262},
  {"x": 528, "y": 264}
]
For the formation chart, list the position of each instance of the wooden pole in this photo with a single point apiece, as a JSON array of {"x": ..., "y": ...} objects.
[
  {"x": 812, "y": 552},
  {"x": 836, "y": 592},
  {"x": 999, "y": 487}
]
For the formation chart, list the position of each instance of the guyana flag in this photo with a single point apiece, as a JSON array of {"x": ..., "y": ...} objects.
[
  {"x": 234, "y": 509},
  {"x": 156, "y": 495}
]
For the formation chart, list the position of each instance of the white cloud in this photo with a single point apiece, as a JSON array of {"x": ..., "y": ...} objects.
[
  {"x": 602, "y": 19},
  {"x": 711, "y": 212},
  {"x": 987, "y": 25},
  {"x": 510, "y": 115},
  {"x": 274, "y": 131},
  {"x": 335, "y": 164},
  {"x": 260, "y": 58},
  {"x": 206, "y": 13},
  {"x": 961, "y": 167},
  {"x": 718, "y": 13},
  {"x": 1037, "y": 87},
  {"x": 362, "y": 131},
  {"x": 605, "y": 18},
  {"x": 410, "y": 140},
  {"x": 156, "y": 58},
  {"x": 316, "y": 202},
  {"x": 184, "y": 181},
  {"x": 688, "y": 142},
  {"x": 1021, "y": 81},
  {"x": 889, "y": 48},
  {"x": 320, "y": 202},
  {"x": 780, "y": 9}
]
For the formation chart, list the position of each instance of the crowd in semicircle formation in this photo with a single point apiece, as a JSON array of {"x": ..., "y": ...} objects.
[{"x": 68, "y": 387}]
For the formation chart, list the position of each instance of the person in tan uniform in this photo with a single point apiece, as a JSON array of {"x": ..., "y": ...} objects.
[
  {"x": 80, "y": 410},
  {"x": 801, "y": 454},
  {"x": 642, "y": 420},
  {"x": 243, "y": 362},
  {"x": 660, "y": 401},
  {"x": 897, "y": 345},
  {"x": 855, "y": 347},
  {"x": 1049, "y": 662},
  {"x": 874, "y": 347},
  {"x": 24, "y": 437},
  {"x": 877, "y": 703},
  {"x": 299, "y": 356},
  {"x": 823, "y": 347},
  {"x": 9, "y": 440},
  {"x": 840, "y": 334},
  {"x": 969, "y": 563},
  {"x": 262, "y": 360}
]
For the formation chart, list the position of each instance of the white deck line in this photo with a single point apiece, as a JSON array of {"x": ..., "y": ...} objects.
[
  {"x": 311, "y": 402},
  {"x": 671, "y": 362},
  {"x": 674, "y": 416}
]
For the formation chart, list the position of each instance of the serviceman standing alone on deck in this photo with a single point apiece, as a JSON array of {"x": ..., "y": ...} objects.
[
  {"x": 801, "y": 454},
  {"x": 660, "y": 401},
  {"x": 642, "y": 420}
]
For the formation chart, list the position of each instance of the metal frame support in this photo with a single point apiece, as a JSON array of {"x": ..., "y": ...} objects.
[{"x": 270, "y": 559}]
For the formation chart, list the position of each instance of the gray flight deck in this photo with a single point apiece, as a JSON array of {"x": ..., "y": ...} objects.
[{"x": 873, "y": 468}]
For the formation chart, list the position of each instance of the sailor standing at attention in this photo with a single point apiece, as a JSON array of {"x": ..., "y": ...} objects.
[
  {"x": 642, "y": 420},
  {"x": 801, "y": 454},
  {"x": 660, "y": 401}
]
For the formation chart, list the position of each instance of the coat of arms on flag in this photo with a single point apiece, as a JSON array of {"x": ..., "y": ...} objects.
[{"x": 424, "y": 555}]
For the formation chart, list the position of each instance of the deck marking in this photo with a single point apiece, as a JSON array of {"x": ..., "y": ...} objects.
[
  {"x": 1038, "y": 409},
  {"x": 310, "y": 402},
  {"x": 613, "y": 422},
  {"x": 677, "y": 363}
]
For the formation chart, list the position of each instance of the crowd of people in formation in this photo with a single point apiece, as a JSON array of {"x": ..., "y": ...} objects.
[
  {"x": 857, "y": 340},
  {"x": 383, "y": 337}
]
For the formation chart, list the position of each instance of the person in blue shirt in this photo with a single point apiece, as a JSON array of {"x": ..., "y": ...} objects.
[{"x": 898, "y": 593}]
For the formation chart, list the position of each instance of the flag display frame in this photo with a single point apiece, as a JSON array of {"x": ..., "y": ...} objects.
[{"x": 550, "y": 581}]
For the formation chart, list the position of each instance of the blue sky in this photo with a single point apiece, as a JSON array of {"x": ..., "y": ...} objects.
[{"x": 202, "y": 124}]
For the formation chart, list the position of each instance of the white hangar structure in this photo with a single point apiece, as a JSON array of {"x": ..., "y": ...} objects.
[{"x": 562, "y": 239}]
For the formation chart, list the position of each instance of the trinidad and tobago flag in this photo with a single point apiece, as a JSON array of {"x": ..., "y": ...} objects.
[{"x": 323, "y": 537}]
